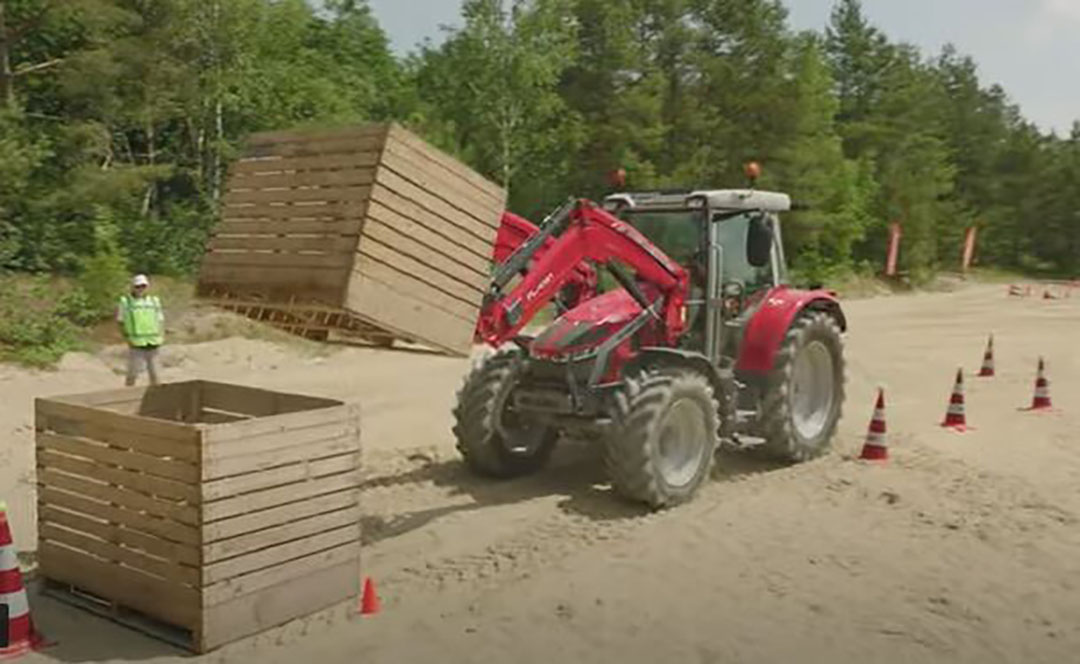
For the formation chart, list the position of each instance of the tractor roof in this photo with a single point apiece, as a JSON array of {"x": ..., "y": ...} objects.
[{"x": 720, "y": 199}]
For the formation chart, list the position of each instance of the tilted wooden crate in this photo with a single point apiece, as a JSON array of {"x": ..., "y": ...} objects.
[
  {"x": 368, "y": 231},
  {"x": 216, "y": 509}
]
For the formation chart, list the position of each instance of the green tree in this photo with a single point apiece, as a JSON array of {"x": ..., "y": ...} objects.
[
  {"x": 494, "y": 88},
  {"x": 836, "y": 193}
]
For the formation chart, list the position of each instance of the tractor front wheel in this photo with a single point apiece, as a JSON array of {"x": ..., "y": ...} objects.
[
  {"x": 494, "y": 440},
  {"x": 663, "y": 449},
  {"x": 803, "y": 401}
]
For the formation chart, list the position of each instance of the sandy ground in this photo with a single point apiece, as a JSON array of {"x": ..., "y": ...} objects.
[{"x": 964, "y": 548}]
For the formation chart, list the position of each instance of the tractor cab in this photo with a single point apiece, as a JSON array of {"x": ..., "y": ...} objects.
[{"x": 728, "y": 240}]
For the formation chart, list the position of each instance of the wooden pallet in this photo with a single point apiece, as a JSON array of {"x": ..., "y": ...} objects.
[
  {"x": 120, "y": 614},
  {"x": 370, "y": 221},
  {"x": 213, "y": 508}
]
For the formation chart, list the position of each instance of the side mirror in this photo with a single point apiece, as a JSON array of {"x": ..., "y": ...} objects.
[{"x": 759, "y": 241}]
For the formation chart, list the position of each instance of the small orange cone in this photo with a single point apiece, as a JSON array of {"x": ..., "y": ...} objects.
[
  {"x": 955, "y": 417},
  {"x": 876, "y": 448},
  {"x": 1041, "y": 400},
  {"x": 987, "y": 370},
  {"x": 19, "y": 636},
  {"x": 369, "y": 603}
]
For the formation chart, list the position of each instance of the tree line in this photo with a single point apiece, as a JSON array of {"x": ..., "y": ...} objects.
[{"x": 118, "y": 119}]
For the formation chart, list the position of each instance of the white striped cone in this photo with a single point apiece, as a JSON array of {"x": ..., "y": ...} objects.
[
  {"x": 987, "y": 369},
  {"x": 1041, "y": 400},
  {"x": 955, "y": 416},
  {"x": 876, "y": 447},
  {"x": 22, "y": 637}
]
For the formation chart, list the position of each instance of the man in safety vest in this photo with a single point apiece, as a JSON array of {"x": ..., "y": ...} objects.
[{"x": 142, "y": 322}]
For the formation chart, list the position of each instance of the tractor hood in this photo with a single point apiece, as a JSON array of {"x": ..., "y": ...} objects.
[{"x": 580, "y": 330}]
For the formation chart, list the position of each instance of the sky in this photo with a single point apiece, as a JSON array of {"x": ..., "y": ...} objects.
[{"x": 1030, "y": 47}]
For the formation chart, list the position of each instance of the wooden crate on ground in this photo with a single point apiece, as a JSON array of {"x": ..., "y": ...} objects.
[
  {"x": 213, "y": 509},
  {"x": 368, "y": 231}
]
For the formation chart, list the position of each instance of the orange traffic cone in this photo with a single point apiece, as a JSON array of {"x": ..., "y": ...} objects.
[
  {"x": 369, "y": 603},
  {"x": 987, "y": 370},
  {"x": 876, "y": 448},
  {"x": 955, "y": 417},
  {"x": 1041, "y": 400},
  {"x": 19, "y": 635}
]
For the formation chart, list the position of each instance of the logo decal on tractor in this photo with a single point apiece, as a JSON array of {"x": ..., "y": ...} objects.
[{"x": 531, "y": 295}]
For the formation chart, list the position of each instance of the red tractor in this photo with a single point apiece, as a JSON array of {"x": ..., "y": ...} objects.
[{"x": 702, "y": 345}]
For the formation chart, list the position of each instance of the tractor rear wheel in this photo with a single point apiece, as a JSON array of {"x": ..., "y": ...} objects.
[
  {"x": 663, "y": 449},
  {"x": 494, "y": 440},
  {"x": 805, "y": 394}
]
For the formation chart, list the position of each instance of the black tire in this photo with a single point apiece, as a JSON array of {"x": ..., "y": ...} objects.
[
  {"x": 635, "y": 453},
  {"x": 489, "y": 437},
  {"x": 785, "y": 439}
]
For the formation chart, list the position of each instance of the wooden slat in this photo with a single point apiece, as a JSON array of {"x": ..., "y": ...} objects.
[
  {"x": 282, "y": 423},
  {"x": 454, "y": 175},
  {"x": 261, "y": 500},
  {"x": 163, "y": 600},
  {"x": 436, "y": 180},
  {"x": 286, "y": 532},
  {"x": 122, "y": 478},
  {"x": 216, "y": 417},
  {"x": 341, "y": 178},
  {"x": 102, "y": 397},
  {"x": 129, "y": 557},
  {"x": 279, "y": 603},
  {"x": 435, "y": 205},
  {"x": 185, "y": 514},
  {"x": 415, "y": 289},
  {"x": 336, "y": 145},
  {"x": 260, "y": 402},
  {"x": 291, "y": 437},
  {"x": 164, "y": 528},
  {"x": 248, "y": 169},
  {"x": 289, "y": 228},
  {"x": 421, "y": 270},
  {"x": 402, "y": 135},
  {"x": 153, "y": 465},
  {"x": 267, "y": 139},
  {"x": 314, "y": 468},
  {"x": 251, "y": 562},
  {"x": 445, "y": 259},
  {"x": 295, "y": 212},
  {"x": 293, "y": 511},
  {"x": 319, "y": 283},
  {"x": 239, "y": 586},
  {"x": 266, "y": 196},
  {"x": 436, "y": 239},
  {"x": 178, "y": 553},
  {"x": 186, "y": 436},
  {"x": 479, "y": 247},
  {"x": 291, "y": 260},
  {"x": 326, "y": 243},
  {"x": 126, "y": 439},
  {"x": 216, "y": 468},
  {"x": 396, "y": 309}
]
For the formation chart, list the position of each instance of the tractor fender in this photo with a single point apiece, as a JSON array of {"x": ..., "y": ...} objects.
[{"x": 766, "y": 328}]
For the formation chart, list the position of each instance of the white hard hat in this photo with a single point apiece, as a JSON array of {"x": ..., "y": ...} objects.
[{"x": 140, "y": 280}]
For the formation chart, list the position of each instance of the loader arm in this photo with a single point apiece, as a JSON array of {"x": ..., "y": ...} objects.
[
  {"x": 515, "y": 231},
  {"x": 584, "y": 233}
]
